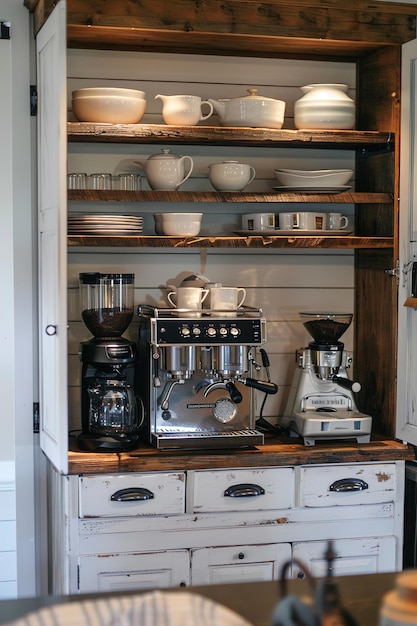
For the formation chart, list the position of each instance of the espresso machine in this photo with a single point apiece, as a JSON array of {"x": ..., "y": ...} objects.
[
  {"x": 321, "y": 404},
  {"x": 194, "y": 379},
  {"x": 108, "y": 399}
]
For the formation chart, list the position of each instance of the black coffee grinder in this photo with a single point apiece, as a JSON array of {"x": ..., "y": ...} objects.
[{"x": 108, "y": 401}]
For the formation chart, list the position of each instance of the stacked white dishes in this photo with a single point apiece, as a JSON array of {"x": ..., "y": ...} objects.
[
  {"x": 313, "y": 180},
  {"x": 105, "y": 225},
  {"x": 111, "y": 105}
]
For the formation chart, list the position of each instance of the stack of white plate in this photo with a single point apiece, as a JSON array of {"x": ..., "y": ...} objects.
[
  {"x": 313, "y": 180},
  {"x": 104, "y": 224}
]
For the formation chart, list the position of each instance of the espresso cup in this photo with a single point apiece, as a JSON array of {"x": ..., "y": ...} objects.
[
  {"x": 302, "y": 221},
  {"x": 337, "y": 221},
  {"x": 258, "y": 221},
  {"x": 188, "y": 300},
  {"x": 223, "y": 299},
  {"x": 231, "y": 175}
]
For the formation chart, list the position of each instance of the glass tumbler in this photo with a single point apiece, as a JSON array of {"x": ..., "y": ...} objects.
[
  {"x": 129, "y": 182},
  {"x": 100, "y": 181},
  {"x": 77, "y": 180}
]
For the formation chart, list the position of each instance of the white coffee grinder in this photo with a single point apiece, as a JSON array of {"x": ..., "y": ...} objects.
[{"x": 321, "y": 403}]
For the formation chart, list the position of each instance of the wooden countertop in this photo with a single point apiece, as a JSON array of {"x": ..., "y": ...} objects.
[
  {"x": 361, "y": 595},
  {"x": 275, "y": 452}
]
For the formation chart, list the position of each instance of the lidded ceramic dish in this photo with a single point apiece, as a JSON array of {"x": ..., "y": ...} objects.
[{"x": 252, "y": 110}]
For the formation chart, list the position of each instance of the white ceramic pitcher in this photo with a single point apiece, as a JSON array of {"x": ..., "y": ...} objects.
[{"x": 184, "y": 110}]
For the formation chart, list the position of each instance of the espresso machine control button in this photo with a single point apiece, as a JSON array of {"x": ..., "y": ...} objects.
[
  {"x": 223, "y": 331},
  {"x": 185, "y": 331},
  {"x": 211, "y": 332},
  {"x": 234, "y": 332},
  {"x": 196, "y": 331}
]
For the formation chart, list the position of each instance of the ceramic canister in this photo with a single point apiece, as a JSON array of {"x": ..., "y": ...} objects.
[{"x": 324, "y": 106}]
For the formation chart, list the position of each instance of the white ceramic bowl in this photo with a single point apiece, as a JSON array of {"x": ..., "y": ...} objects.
[
  {"x": 108, "y": 91},
  {"x": 181, "y": 224},
  {"x": 314, "y": 178},
  {"x": 158, "y": 223},
  {"x": 112, "y": 106}
]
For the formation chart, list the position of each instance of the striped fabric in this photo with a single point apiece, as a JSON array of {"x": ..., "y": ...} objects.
[{"x": 157, "y": 608}]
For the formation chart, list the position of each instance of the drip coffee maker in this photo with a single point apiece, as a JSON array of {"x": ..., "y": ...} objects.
[
  {"x": 321, "y": 402},
  {"x": 108, "y": 401}
]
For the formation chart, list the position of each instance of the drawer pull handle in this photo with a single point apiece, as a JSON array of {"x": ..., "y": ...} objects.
[
  {"x": 244, "y": 490},
  {"x": 349, "y": 484},
  {"x": 132, "y": 494}
]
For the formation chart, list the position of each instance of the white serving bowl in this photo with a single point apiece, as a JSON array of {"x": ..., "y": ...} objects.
[
  {"x": 158, "y": 223},
  {"x": 112, "y": 106},
  {"x": 181, "y": 224},
  {"x": 314, "y": 178},
  {"x": 108, "y": 91}
]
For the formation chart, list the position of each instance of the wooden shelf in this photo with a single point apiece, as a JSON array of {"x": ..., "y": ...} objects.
[
  {"x": 92, "y": 195},
  {"x": 232, "y": 241},
  {"x": 225, "y": 135}
]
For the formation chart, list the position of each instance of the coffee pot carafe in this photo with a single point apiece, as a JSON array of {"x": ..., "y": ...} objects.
[{"x": 112, "y": 407}]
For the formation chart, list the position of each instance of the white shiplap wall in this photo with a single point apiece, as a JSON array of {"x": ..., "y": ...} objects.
[{"x": 282, "y": 283}]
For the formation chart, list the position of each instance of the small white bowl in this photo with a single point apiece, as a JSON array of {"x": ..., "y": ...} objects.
[
  {"x": 108, "y": 108},
  {"x": 181, "y": 224},
  {"x": 329, "y": 178}
]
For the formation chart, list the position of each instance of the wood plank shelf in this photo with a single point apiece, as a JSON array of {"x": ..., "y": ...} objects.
[
  {"x": 227, "y": 135},
  {"x": 275, "y": 451},
  {"x": 232, "y": 241},
  {"x": 93, "y": 195}
]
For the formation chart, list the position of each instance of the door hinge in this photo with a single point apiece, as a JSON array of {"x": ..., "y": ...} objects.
[
  {"x": 5, "y": 28},
  {"x": 36, "y": 417},
  {"x": 395, "y": 271},
  {"x": 33, "y": 100}
]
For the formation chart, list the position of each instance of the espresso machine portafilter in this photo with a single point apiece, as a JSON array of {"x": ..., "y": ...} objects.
[{"x": 195, "y": 380}]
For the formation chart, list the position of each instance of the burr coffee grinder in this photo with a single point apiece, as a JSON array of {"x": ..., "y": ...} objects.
[
  {"x": 108, "y": 401},
  {"x": 321, "y": 402}
]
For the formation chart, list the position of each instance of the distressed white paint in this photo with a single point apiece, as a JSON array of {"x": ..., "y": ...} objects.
[{"x": 127, "y": 551}]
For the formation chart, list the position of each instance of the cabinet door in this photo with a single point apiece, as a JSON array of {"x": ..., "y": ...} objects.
[
  {"x": 120, "y": 572},
  {"x": 406, "y": 427},
  {"x": 353, "y": 556},
  {"x": 236, "y": 564},
  {"x": 52, "y": 116}
]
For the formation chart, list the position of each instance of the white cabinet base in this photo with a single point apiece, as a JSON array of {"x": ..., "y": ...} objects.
[{"x": 222, "y": 539}]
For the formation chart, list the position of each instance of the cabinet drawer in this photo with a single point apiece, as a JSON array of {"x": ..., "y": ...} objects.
[
  {"x": 132, "y": 494},
  {"x": 347, "y": 484},
  {"x": 241, "y": 490}
]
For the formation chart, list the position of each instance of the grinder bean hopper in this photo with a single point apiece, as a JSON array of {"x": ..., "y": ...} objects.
[{"x": 321, "y": 404}]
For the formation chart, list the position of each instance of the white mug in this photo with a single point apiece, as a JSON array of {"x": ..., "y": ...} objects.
[
  {"x": 302, "y": 221},
  {"x": 226, "y": 299},
  {"x": 258, "y": 221},
  {"x": 188, "y": 300},
  {"x": 231, "y": 175},
  {"x": 337, "y": 221}
]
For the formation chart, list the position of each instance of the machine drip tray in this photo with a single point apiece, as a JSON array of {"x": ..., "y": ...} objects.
[{"x": 207, "y": 439}]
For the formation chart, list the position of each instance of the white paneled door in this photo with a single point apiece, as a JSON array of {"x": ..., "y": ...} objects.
[{"x": 51, "y": 65}]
